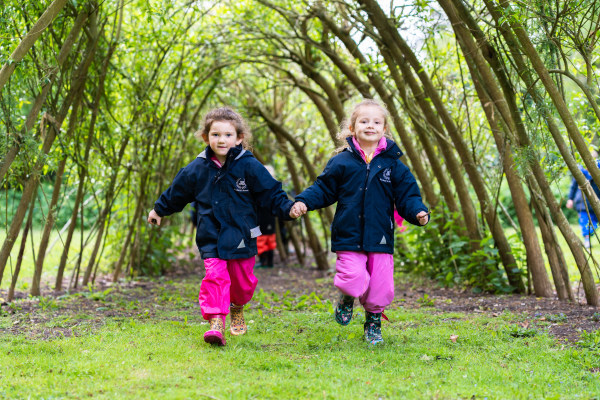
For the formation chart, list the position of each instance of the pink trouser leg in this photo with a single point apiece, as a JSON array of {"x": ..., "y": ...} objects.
[
  {"x": 380, "y": 293},
  {"x": 351, "y": 278},
  {"x": 368, "y": 276},
  {"x": 225, "y": 280},
  {"x": 243, "y": 281}
]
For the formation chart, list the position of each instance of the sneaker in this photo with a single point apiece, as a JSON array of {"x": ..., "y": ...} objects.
[
  {"x": 373, "y": 328},
  {"x": 238, "y": 325},
  {"x": 215, "y": 334},
  {"x": 343, "y": 311}
]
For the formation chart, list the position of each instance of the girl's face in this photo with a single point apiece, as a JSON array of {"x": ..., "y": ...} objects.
[
  {"x": 221, "y": 137},
  {"x": 369, "y": 126}
]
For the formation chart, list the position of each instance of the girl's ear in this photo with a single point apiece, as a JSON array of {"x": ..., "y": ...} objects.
[
  {"x": 240, "y": 139},
  {"x": 205, "y": 137}
]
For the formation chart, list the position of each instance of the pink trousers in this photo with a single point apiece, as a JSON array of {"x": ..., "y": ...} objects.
[
  {"x": 368, "y": 276},
  {"x": 226, "y": 281}
]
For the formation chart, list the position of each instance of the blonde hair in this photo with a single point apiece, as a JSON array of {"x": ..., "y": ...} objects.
[
  {"x": 349, "y": 122},
  {"x": 227, "y": 114}
]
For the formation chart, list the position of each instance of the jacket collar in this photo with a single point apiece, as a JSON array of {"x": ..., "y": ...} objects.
[
  {"x": 235, "y": 152},
  {"x": 391, "y": 150}
]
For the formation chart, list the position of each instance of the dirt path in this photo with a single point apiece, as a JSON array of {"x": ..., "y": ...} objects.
[{"x": 173, "y": 296}]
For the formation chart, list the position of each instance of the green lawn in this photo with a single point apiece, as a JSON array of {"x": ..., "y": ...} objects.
[{"x": 153, "y": 348}]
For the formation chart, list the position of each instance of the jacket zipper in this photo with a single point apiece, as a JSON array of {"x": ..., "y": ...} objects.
[{"x": 362, "y": 212}]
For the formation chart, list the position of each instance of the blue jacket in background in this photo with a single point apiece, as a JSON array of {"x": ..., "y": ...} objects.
[
  {"x": 576, "y": 195},
  {"x": 226, "y": 200},
  {"x": 366, "y": 195}
]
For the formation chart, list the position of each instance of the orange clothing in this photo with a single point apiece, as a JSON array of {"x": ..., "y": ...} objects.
[{"x": 266, "y": 243}]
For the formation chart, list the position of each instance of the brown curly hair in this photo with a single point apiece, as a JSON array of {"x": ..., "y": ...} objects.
[{"x": 227, "y": 114}]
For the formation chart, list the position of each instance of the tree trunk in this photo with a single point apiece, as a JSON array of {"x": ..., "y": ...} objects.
[
  {"x": 483, "y": 79},
  {"x": 95, "y": 108},
  {"x": 17, "y": 271},
  {"x": 283, "y": 256},
  {"x": 29, "y": 189},
  {"x": 130, "y": 230},
  {"x": 556, "y": 259},
  {"x": 296, "y": 241},
  {"x": 39, "y": 262},
  {"x": 29, "y": 39},
  {"x": 108, "y": 202}
]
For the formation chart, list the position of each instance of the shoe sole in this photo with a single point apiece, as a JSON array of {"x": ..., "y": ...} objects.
[{"x": 214, "y": 337}]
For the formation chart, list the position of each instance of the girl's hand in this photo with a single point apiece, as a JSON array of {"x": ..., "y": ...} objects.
[
  {"x": 298, "y": 209},
  {"x": 153, "y": 218},
  {"x": 423, "y": 217}
]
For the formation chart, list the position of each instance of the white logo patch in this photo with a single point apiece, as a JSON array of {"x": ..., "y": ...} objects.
[
  {"x": 240, "y": 185},
  {"x": 383, "y": 241},
  {"x": 386, "y": 175},
  {"x": 241, "y": 245}
]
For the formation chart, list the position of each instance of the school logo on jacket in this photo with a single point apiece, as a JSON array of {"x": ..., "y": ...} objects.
[
  {"x": 386, "y": 175},
  {"x": 240, "y": 185}
]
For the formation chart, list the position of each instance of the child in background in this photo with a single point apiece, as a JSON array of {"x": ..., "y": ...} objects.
[
  {"x": 366, "y": 179},
  {"x": 588, "y": 221},
  {"x": 227, "y": 184},
  {"x": 399, "y": 221}
]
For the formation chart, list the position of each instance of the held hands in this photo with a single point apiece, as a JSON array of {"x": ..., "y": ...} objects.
[
  {"x": 423, "y": 217},
  {"x": 153, "y": 218},
  {"x": 298, "y": 209}
]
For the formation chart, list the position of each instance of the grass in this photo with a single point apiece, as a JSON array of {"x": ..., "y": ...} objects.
[{"x": 153, "y": 348}]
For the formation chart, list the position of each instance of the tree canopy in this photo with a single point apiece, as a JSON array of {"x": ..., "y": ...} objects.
[{"x": 494, "y": 103}]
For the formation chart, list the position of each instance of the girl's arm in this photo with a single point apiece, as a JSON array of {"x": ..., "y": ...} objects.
[
  {"x": 407, "y": 196},
  {"x": 268, "y": 192},
  {"x": 177, "y": 196},
  {"x": 323, "y": 192}
]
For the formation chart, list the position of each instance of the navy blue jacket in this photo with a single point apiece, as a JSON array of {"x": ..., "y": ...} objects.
[
  {"x": 226, "y": 201},
  {"x": 366, "y": 194}
]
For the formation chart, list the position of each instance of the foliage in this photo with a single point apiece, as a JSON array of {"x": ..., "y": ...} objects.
[
  {"x": 11, "y": 198},
  {"x": 442, "y": 253},
  {"x": 590, "y": 340},
  {"x": 157, "y": 66}
]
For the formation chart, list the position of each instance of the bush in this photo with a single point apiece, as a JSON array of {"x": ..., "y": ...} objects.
[{"x": 441, "y": 253}]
